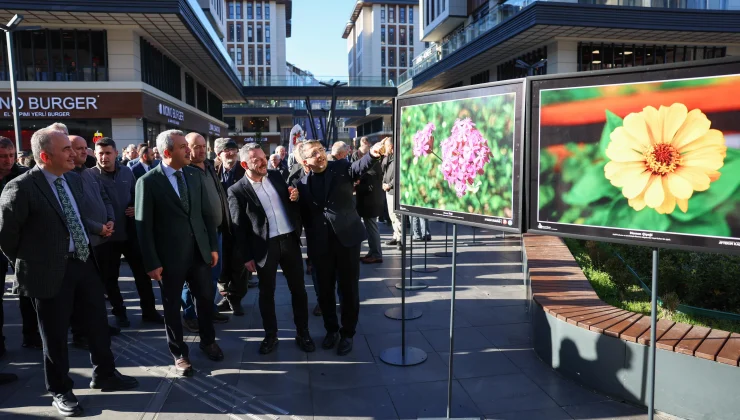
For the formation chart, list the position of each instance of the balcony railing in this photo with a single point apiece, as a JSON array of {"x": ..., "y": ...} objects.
[
  {"x": 506, "y": 11},
  {"x": 295, "y": 80},
  {"x": 300, "y": 104}
]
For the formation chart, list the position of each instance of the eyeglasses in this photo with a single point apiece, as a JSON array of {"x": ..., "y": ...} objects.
[{"x": 317, "y": 153}]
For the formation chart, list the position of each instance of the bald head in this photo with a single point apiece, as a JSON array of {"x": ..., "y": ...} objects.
[
  {"x": 79, "y": 145},
  {"x": 197, "y": 145}
]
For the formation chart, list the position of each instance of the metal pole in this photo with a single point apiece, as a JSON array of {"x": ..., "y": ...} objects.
[
  {"x": 13, "y": 90},
  {"x": 425, "y": 253},
  {"x": 653, "y": 323},
  {"x": 452, "y": 321},
  {"x": 403, "y": 290},
  {"x": 445, "y": 253},
  {"x": 411, "y": 260}
]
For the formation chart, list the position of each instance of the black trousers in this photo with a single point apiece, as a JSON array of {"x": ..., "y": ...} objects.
[
  {"x": 284, "y": 250},
  {"x": 81, "y": 290},
  {"x": 339, "y": 265},
  {"x": 108, "y": 256},
  {"x": 28, "y": 313},
  {"x": 198, "y": 277}
]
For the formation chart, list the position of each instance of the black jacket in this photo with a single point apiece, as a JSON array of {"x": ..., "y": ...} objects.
[
  {"x": 339, "y": 211},
  {"x": 249, "y": 221},
  {"x": 389, "y": 172},
  {"x": 370, "y": 194}
]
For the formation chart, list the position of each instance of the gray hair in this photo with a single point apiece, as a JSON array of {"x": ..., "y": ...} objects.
[
  {"x": 59, "y": 127},
  {"x": 306, "y": 144},
  {"x": 165, "y": 140},
  {"x": 41, "y": 140},
  {"x": 279, "y": 148},
  {"x": 339, "y": 146},
  {"x": 275, "y": 156},
  {"x": 130, "y": 147},
  {"x": 244, "y": 151},
  {"x": 6, "y": 143}
]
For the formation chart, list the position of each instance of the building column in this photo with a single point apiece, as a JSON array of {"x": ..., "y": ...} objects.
[
  {"x": 562, "y": 57},
  {"x": 127, "y": 131},
  {"x": 733, "y": 50},
  {"x": 239, "y": 122},
  {"x": 124, "y": 63}
]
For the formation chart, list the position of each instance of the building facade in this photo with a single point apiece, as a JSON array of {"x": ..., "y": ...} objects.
[
  {"x": 128, "y": 74},
  {"x": 478, "y": 41}
]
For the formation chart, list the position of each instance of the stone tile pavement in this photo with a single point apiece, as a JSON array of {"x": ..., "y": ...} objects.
[{"x": 496, "y": 373}]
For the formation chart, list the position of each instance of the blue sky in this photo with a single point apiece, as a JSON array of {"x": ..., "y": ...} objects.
[{"x": 316, "y": 43}]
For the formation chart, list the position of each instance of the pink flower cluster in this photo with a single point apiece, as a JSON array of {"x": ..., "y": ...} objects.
[
  {"x": 424, "y": 140},
  {"x": 464, "y": 154}
]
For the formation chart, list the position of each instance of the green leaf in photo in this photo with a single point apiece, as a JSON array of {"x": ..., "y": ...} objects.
[
  {"x": 590, "y": 187},
  {"x": 612, "y": 122}
]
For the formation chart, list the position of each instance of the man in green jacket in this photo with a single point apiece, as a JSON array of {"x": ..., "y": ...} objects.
[{"x": 178, "y": 241}]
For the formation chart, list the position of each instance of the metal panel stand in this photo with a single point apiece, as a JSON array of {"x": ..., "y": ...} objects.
[
  {"x": 474, "y": 243},
  {"x": 404, "y": 355},
  {"x": 402, "y": 312},
  {"x": 445, "y": 254},
  {"x": 653, "y": 323},
  {"x": 419, "y": 285},
  {"x": 425, "y": 268}
]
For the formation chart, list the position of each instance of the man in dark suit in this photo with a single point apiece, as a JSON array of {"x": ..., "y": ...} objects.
[
  {"x": 179, "y": 243},
  {"x": 334, "y": 233},
  {"x": 370, "y": 203},
  {"x": 41, "y": 231},
  {"x": 267, "y": 232},
  {"x": 145, "y": 162}
]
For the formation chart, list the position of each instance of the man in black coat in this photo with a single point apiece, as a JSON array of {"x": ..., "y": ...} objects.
[
  {"x": 42, "y": 234},
  {"x": 334, "y": 233},
  {"x": 370, "y": 203},
  {"x": 267, "y": 232}
]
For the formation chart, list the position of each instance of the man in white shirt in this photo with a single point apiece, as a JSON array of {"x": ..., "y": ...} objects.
[{"x": 266, "y": 227}]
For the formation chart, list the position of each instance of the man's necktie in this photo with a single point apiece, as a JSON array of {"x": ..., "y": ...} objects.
[
  {"x": 82, "y": 251},
  {"x": 182, "y": 187}
]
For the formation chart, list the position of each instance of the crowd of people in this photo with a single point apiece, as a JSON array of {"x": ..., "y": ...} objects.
[{"x": 199, "y": 227}]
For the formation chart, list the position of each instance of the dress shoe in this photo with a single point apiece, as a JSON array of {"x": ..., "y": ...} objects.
[
  {"x": 219, "y": 318},
  {"x": 80, "y": 341},
  {"x": 191, "y": 325},
  {"x": 305, "y": 342},
  {"x": 33, "y": 342},
  {"x": 114, "y": 382},
  {"x": 417, "y": 238},
  {"x": 330, "y": 341},
  {"x": 152, "y": 318},
  {"x": 427, "y": 238},
  {"x": 6, "y": 378},
  {"x": 112, "y": 331},
  {"x": 345, "y": 346},
  {"x": 122, "y": 321},
  {"x": 183, "y": 367},
  {"x": 67, "y": 404},
  {"x": 317, "y": 310},
  {"x": 269, "y": 344},
  {"x": 213, "y": 351},
  {"x": 392, "y": 242},
  {"x": 371, "y": 260}
]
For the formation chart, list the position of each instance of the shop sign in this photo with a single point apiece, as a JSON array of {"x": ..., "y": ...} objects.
[
  {"x": 158, "y": 110},
  {"x": 72, "y": 105},
  {"x": 174, "y": 115}
]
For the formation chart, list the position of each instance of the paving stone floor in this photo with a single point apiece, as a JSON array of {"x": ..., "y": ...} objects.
[{"x": 496, "y": 373}]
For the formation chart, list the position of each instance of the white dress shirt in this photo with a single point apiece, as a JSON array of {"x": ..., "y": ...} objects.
[
  {"x": 50, "y": 178},
  {"x": 277, "y": 219},
  {"x": 170, "y": 173}
]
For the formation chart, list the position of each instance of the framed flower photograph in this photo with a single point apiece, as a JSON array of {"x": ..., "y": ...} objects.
[
  {"x": 458, "y": 155},
  {"x": 648, "y": 156}
]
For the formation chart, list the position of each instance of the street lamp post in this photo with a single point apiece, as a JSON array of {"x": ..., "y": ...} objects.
[{"x": 11, "y": 27}]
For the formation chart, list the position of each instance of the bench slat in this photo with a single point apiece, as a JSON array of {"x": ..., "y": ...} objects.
[
  {"x": 712, "y": 344},
  {"x": 600, "y": 326},
  {"x": 672, "y": 337},
  {"x": 635, "y": 330},
  {"x": 661, "y": 327},
  {"x": 692, "y": 340},
  {"x": 730, "y": 353}
]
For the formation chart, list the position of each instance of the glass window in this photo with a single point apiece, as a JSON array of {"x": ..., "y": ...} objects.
[
  {"x": 402, "y": 14},
  {"x": 392, "y": 76},
  {"x": 259, "y": 11},
  {"x": 255, "y": 124},
  {"x": 189, "y": 90},
  {"x": 250, "y": 33},
  {"x": 239, "y": 32},
  {"x": 267, "y": 32},
  {"x": 382, "y": 77},
  {"x": 232, "y": 53},
  {"x": 231, "y": 10},
  {"x": 267, "y": 11},
  {"x": 403, "y": 59},
  {"x": 57, "y": 63},
  {"x": 411, "y": 15},
  {"x": 392, "y": 57},
  {"x": 239, "y": 55},
  {"x": 260, "y": 58},
  {"x": 250, "y": 15},
  {"x": 239, "y": 9},
  {"x": 392, "y": 14},
  {"x": 230, "y": 34},
  {"x": 259, "y": 32},
  {"x": 382, "y": 57},
  {"x": 402, "y": 36},
  {"x": 382, "y": 35},
  {"x": 250, "y": 55},
  {"x": 157, "y": 70},
  {"x": 267, "y": 55},
  {"x": 392, "y": 35},
  {"x": 202, "y": 97},
  {"x": 382, "y": 14}
]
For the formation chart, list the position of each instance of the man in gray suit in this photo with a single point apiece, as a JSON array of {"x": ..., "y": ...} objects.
[
  {"x": 178, "y": 239},
  {"x": 42, "y": 234}
]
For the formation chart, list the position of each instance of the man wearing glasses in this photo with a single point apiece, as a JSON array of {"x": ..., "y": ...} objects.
[{"x": 334, "y": 232}]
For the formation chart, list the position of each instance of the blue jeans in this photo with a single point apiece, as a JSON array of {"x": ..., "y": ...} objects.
[{"x": 188, "y": 306}]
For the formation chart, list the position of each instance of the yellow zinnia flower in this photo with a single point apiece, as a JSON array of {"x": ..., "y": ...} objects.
[{"x": 660, "y": 157}]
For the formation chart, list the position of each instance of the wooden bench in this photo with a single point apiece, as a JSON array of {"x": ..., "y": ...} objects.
[{"x": 563, "y": 291}]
